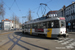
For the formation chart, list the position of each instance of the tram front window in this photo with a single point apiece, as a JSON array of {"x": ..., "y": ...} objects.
[{"x": 62, "y": 23}]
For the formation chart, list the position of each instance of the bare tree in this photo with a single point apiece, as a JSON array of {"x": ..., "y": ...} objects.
[
  {"x": 29, "y": 16},
  {"x": 15, "y": 19},
  {"x": 2, "y": 11}
]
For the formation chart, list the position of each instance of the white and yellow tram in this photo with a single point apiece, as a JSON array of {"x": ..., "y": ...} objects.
[{"x": 51, "y": 27}]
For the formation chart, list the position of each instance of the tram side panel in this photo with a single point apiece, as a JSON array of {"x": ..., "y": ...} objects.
[
  {"x": 55, "y": 32},
  {"x": 52, "y": 32},
  {"x": 49, "y": 32}
]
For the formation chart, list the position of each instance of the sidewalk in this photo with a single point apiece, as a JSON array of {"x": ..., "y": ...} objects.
[
  {"x": 71, "y": 31},
  {"x": 3, "y": 31}
]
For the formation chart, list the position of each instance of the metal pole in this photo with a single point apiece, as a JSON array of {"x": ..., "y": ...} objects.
[
  {"x": 15, "y": 21},
  {"x": 23, "y": 17},
  {"x": 71, "y": 24}
]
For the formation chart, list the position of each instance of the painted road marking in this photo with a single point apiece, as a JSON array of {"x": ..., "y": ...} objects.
[
  {"x": 63, "y": 40},
  {"x": 66, "y": 42}
]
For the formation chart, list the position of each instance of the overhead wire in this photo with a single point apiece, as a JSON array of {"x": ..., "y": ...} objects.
[
  {"x": 49, "y": 1},
  {"x": 36, "y": 8},
  {"x": 49, "y": 8},
  {"x": 47, "y": 5},
  {"x": 37, "y": 11},
  {"x": 41, "y": 10},
  {"x": 18, "y": 6},
  {"x": 44, "y": 10},
  {"x": 43, "y": 7},
  {"x": 8, "y": 6},
  {"x": 12, "y": 4}
]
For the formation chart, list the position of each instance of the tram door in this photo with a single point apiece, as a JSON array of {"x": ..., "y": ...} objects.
[
  {"x": 30, "y": 29},
  {"x": 49, "y": 30}
]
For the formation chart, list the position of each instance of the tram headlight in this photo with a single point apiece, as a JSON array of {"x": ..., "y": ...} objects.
[{"x": 60, "y": 32}]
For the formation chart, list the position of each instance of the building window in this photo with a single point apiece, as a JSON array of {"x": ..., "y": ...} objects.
[
  {"x": 74, "y": 17},
  {"x": 74, "y": 11},
  {"x": 74, "y": 5}
]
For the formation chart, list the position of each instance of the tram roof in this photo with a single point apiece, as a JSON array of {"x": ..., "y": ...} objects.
[{"x": 49, "y": 19}]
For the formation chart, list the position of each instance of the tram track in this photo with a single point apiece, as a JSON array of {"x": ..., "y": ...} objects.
[
  {"x": 16, "y": 43},
  {"x": 30, "y": 43},
  {"x": 11, "y": 38}
]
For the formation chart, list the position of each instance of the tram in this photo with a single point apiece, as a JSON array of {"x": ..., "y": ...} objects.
[{"x": 50, "y": 27}]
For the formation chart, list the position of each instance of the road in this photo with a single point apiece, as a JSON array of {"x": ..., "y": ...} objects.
[{"x": 15, "y": 40}]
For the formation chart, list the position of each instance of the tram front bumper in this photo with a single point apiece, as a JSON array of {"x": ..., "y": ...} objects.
[{"x": 63, "y": 35}]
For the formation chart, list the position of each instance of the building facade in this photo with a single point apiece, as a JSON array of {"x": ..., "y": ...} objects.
[
  {"x": 61, "y": 12},
  {"x": 69, "y": 13},
  {"x": 7, "y": 24},
  {"x": 0, "y": 25}
]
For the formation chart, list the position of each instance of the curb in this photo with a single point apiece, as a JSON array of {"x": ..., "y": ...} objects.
[{"x": 72, "y": 32}]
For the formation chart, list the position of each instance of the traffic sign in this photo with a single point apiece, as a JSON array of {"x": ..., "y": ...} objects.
[{"x": 69, "y": 24}]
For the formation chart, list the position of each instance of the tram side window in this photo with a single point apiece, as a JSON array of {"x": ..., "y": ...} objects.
[
  {"x": 50, "y": 24},
  {"x": 22, "y": 27},
  {"x": 56, "y": 24},
  {"x": 44, "y": 24},
  {"x": 31, "y": 26},
  {"x": 25, "y": 26},
  {"x": 53, "y": 24},
  {"x": 34, "y": 26},
  {"x": 40, "y": 25}
]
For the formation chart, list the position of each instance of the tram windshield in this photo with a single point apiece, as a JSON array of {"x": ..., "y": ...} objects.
[{"x": 62, "y": 23}]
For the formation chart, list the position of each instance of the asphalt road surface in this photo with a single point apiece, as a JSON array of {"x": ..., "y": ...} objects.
[{"x": 17, "y": 41}]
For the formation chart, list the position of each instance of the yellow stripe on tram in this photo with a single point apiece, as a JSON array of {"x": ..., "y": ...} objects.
[
  {"x": 49, "y": 32},
  {"x": 30, "y": 31}
]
